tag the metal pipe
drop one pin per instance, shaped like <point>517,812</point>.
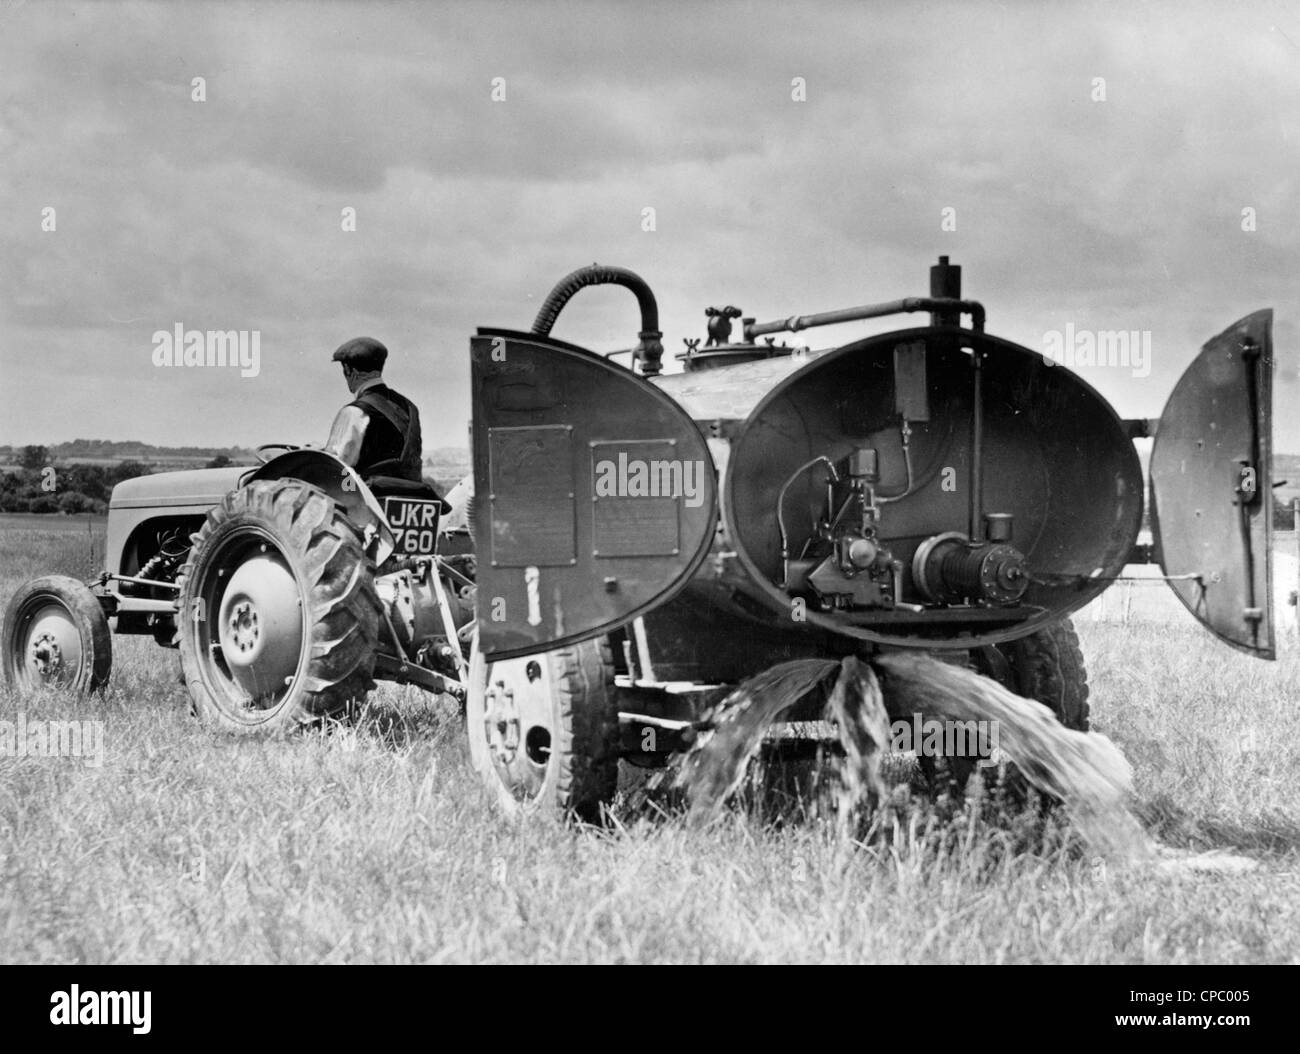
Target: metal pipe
<point>780,504</point>
<point>390,669</point>
<point>449,626</point>
<point>649,351</point>
<point>976,531</point>
<point>905,434</point>
<point>1253,614</point>
<point>945,283</point>
<point>109,576</point>
<point>795,323</point>
<point>672,724</point>
<point>141,606</point>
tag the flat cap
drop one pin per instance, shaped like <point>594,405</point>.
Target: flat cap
<point>362,353</point>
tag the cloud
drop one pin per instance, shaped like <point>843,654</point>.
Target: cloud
<point>1123,213</point>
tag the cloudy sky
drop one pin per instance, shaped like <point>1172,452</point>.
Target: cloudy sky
<point>1123,212</point>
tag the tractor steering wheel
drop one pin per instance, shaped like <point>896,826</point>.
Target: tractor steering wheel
<point>263,458</point>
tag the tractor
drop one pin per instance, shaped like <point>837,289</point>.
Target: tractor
<point>287,589</point>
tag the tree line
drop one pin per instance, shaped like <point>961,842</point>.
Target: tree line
<point>40,485</point>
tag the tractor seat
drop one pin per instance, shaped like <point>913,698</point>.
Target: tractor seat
<point>397,487</point>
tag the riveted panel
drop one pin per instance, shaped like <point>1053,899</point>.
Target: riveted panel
<point>531,497</point>
<point>638,488</point>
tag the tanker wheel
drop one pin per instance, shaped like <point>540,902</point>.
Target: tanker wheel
<point>55,632</point>
<point>279,618</point>
<point>543,729</point>
<point>1046,666</point>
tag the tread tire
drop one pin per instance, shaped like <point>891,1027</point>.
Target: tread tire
<point>85,612</point>
<point>1048,666</point>
<point>326,554</point>
<point>581,774</point>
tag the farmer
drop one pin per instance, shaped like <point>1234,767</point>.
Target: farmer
<point>378,433</point>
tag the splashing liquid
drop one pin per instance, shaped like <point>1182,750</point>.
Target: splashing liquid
<point>1086,771</point>
<point>714,767</point>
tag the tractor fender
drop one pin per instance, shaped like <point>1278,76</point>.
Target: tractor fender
<point>340,481</point>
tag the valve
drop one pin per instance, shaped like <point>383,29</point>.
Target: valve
<point>719,325</point>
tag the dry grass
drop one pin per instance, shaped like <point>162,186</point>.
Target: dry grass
<point>374,842</point>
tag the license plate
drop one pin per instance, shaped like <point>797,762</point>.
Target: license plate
<point>414,524</point>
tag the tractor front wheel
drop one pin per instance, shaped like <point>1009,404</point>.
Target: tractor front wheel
<point>543,729</point>
<point>279,618</point>
<point>55,632</point>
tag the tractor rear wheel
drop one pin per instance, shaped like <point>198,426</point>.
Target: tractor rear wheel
<point>279,618</point>
<point>543,729</point>
<point>55,632</point>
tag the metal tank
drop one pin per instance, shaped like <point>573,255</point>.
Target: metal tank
<point>933,487</point>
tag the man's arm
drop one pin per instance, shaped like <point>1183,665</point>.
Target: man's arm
<point>346,434</point>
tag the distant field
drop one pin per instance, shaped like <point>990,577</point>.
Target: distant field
<point>33,544</point>
<point>375,843</point>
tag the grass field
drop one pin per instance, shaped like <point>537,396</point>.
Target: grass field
<point>375,843</point>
